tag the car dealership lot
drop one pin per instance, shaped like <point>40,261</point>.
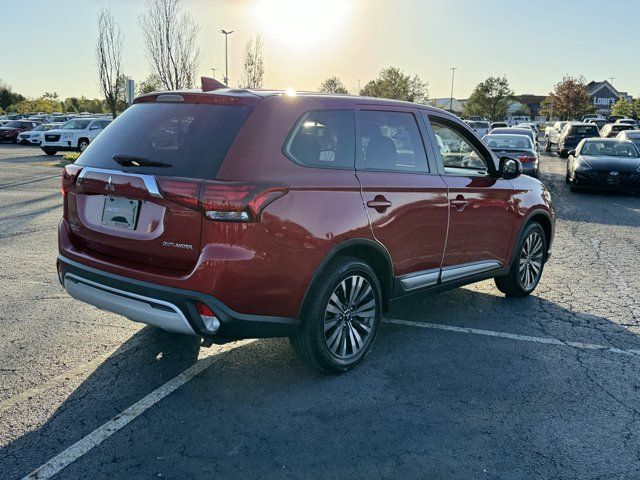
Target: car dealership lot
<point>466,384</point>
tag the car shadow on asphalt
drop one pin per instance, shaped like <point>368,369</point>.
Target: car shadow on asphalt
<point>262,368</point>
<point>143,363</point>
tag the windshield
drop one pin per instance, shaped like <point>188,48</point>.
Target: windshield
<point>515,142</point>
<point>609,149</point>
<point>75,125</point>
<point>177,139</point>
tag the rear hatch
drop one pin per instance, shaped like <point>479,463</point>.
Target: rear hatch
<point>133,195</point>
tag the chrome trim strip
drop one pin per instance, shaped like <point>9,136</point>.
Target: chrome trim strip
<point>135,307</point>
<point>456,272</point>
<point>426,278</point>
<point>150,182</point>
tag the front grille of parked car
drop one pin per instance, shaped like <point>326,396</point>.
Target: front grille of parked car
<point>52,138</point>
<point>622,178</point>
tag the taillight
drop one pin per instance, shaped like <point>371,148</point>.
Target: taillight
<point>69,176</point>
<point>237,202</point>
<point>184,192</point>
<point>526,159</point>
<point>222,201</point>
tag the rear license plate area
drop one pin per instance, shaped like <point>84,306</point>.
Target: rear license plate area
<point>120,212</point>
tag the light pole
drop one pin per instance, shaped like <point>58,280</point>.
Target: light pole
<point>453,76</point>
<point>213,70</point>
<point>226,55</point>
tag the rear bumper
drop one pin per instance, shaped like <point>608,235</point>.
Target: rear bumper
<point>164,307</point>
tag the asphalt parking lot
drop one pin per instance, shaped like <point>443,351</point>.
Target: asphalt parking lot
<point>466,384</point>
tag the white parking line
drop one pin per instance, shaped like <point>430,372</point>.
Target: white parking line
<point>100,434</point>
<point>512,336</point>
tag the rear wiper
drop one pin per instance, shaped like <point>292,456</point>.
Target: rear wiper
<point>133,161</point>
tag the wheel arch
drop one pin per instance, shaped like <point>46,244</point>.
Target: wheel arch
<point>366,250</point>
<point>542,217</point>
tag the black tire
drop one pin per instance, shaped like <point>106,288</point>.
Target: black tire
<point>312,342</point>
<point>567,179</point>
<point>563,153</point>
<point>547,148</point>
<point>573,187</point>
<point>82,144</point>
<point>49,151</point>
<point>512,284</point>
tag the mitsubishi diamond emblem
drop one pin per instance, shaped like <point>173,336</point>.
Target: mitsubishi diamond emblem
<point>109,186</point>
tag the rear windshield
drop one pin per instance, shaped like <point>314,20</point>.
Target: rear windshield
<point>622,126</point>
<point>508,141</point>
<point>584,130</point>
<point>183,140</point>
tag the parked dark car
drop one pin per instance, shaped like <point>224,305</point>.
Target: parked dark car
<point>518,147</point>
<point>611,130</point>
<point>9,133</point>
<point>573,133</point>
<point>607,164</point>
<point>230,214</point>
<point>598,122</point>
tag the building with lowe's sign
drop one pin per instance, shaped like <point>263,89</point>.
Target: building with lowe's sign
<point>604,96</point>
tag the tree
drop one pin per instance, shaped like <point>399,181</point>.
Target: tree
<point>333,85</point>
<point>149,84</point>
<point>570,98</point>
<point>109,58</point>
<point>8,97</point>
<point>490,99</point>
<point>253,63</point>
<point>170,43</point>
<point>394,84</point>
<point>42,104</point>
<point>623,107</point>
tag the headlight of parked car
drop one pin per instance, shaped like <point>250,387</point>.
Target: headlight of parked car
<point>583,165</point>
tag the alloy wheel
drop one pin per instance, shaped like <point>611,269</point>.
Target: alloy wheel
<point>531,258</point>
<point>349,317</point>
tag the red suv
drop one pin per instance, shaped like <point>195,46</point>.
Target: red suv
<point>229,214</point>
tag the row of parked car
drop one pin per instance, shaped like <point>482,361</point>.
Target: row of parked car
<point>65,133</point>
<point>567,135</point>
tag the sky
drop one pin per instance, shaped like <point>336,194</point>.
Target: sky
<point>50,45</point>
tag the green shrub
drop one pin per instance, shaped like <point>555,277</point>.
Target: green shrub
<point>71,156</point>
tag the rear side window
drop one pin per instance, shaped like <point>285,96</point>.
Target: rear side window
<point>391,141</point>
<point>182,139</point>
<point>323,139</point>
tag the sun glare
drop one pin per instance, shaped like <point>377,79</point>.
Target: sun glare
<point>301,23</point>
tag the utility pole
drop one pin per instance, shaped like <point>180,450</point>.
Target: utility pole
<point>226,55</point>
<point>453,76</point>
<point>611,79</point>
<point>213,70</point>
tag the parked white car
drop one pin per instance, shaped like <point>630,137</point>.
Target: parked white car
<point>552,134</point>
<point>73,135</point>
<point>34,136</point>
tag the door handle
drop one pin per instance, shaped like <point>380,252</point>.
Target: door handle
<point>459,203</point>
<point>379,203</point>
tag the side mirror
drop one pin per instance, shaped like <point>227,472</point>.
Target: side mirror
<point>572,153</point>
<point>510,168</point>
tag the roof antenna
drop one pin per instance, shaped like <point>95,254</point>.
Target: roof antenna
<point>209,84</point>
